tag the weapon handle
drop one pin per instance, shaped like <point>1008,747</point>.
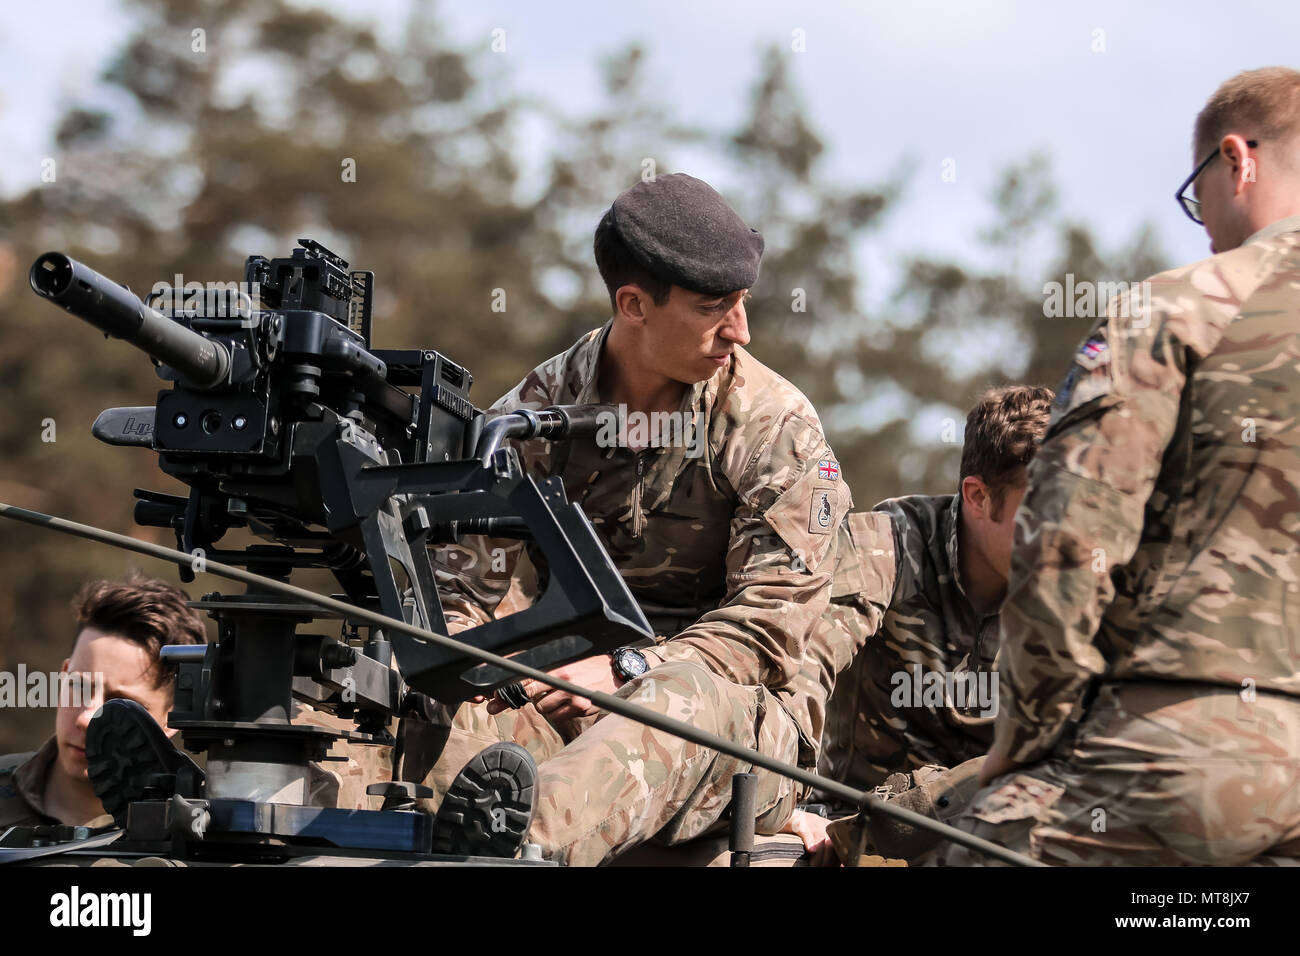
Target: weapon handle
<point>557,423</point>
<point>575,421</point>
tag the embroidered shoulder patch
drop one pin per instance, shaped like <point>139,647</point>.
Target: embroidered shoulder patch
<point>821,516</point>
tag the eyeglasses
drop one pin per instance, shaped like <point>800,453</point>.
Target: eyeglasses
<point>1190,204</point>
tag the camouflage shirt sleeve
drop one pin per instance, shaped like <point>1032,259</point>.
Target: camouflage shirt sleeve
<point>474,576</point>
<point>1082,516</point>
<point>866,574</point>
<point>780,558</point>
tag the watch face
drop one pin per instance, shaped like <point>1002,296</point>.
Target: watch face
<point>632,663</point>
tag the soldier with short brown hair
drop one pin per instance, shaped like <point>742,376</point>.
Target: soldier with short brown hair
<point>121,627</point>
<point>1156,575</point>
<point>895,709</point>
<point>912,630</point>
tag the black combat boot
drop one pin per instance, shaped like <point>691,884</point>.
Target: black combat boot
<point>127,754</point>
<point>489,806</point>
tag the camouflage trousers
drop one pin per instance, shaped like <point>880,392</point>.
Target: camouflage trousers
<point>1158,774</point>
<point>342,783</point>
<point>616,783</point>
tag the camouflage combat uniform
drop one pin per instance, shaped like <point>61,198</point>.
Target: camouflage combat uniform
<point>864,581</point>
<point>729,553</point>
<point>1156,575</point>
<point>342,782</point>
<point>22,789</point>
<point>860,590</point>
<point>888,714</point>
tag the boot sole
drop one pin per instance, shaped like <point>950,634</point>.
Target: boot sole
<point>124,747</point>
<point>489,806</point>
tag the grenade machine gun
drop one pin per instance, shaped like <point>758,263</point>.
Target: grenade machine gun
<point>284,421</point>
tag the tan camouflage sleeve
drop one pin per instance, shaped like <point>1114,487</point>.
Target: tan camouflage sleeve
<point>474,576</point>
<point>780,558</point>
<point>1082,517</point>
<point>866,571</point>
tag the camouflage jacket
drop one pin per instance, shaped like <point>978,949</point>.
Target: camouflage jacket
<point>860,592</point>
<point>726,539</point>
<point>22,789</point>
<point>1158,537</point>
<point>924,690</point>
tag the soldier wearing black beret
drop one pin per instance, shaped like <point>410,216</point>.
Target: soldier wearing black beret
<point>679,229</point>
<point>721,519</point>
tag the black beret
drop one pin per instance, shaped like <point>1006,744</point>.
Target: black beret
<point>680,229</point>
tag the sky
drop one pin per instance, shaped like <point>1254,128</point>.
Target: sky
<point>1108,89</point>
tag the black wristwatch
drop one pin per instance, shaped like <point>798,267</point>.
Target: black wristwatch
<point>628,663</point>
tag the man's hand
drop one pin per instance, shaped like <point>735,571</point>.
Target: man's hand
<point>811,828</point>
<point>557,706</point>
<point>995,765</point>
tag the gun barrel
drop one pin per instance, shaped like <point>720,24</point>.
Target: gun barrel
<point>115,311</point>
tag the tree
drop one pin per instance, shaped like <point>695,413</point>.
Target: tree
<point>391,156</point>
<point>893,388</point>
<point>248,125</point>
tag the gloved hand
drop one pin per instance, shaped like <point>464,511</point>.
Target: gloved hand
<point>930,791</point>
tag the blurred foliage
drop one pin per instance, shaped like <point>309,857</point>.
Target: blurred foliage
<point>239,149</point>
